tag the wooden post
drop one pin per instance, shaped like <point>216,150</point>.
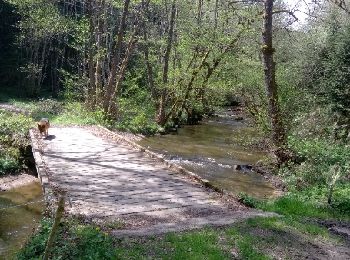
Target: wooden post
<point>58,216</point>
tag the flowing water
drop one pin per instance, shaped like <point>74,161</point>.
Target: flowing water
<point>212,150</point>
<point>20,213</point>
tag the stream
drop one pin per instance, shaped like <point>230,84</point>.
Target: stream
<point>20,214</point>
<point>212,150</point>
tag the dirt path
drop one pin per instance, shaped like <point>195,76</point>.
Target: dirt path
<point>13,108</point>
<point>110,180</point>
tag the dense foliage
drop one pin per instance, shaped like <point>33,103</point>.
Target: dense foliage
<point>13,141</point>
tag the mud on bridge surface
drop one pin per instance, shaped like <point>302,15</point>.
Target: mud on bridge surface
<point>106,179</point>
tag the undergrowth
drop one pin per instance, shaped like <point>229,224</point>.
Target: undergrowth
<point>137,116</point>
<point>133,116</point>
<point>13,141</point>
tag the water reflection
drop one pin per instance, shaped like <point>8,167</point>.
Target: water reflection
<point>17,223</point>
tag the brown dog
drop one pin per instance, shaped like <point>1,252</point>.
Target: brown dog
<point>43,126</point>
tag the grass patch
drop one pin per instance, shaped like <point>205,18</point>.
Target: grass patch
<point>72,113</point>
<point>257,238</point>
<point>76,114</point>
<point>245,244</point>
<point>301,205</point>
<point>134,117</point>
<point>73,242</point>
<point>310,203</point>
<point>292,206</point>
<point>289,224</point>
<point>202,244</point>
<point>197,245</point>
<point>249,201</point>
<point>36,244</point>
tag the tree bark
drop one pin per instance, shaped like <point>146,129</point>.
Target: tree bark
<point>161,119</point>
<point>342,5</point>
<point>216,63</point>
<point>146,53</point>
<point>99,59</point>
<point>91,90</point>
<point>112,108</point>
<point>116,57</point>
<point>277,128</point>
<point>216,14</point>
<point>190,83</point>
<point>199,12</point>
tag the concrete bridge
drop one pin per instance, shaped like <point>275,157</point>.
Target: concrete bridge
<point>111,179</point>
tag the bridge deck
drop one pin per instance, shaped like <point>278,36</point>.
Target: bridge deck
<point>105,178</point>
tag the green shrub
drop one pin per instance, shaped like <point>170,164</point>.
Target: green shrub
<point>47,108</point>
<point>74,113</point>
<point>74,86</point>
<point>9,160</point>
<point>320,157</point>
<point>14,128</point>
<point>36,244</point>
<point>80,242</point>
<point>137,116</point>
<point>248,200</point>
<point>88,243</point>
<point>13,140</point>
<point>139,124</point>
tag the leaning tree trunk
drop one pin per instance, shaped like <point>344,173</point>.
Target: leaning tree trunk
<point>146,51</point>
<point>277,128</point>
<point>161,117</point>
<point>90,99</point>
<point>99,60</point>
<point>113,108</point>
<point>116,58</point>
<point>216,15</point>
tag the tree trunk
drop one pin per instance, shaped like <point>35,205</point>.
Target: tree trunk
<point>91,89</point>
<point>161,118</point>
<point>116,57</point>
<point>277,128</point>
<point>190,83</point>
<point>200,12</point>
<point>112,108</point>
<point>146,53</point>
<point>342,5</point>
<point>216,63</point>
<point>99,61</point>
<point>216,14</point>
<point>54,70</point>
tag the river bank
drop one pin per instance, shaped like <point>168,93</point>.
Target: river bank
<point>9,182</point>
